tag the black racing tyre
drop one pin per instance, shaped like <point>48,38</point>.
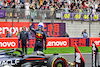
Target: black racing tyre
<point>57,61</point>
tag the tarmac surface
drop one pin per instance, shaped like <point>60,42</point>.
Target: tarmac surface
<point>86,56</point>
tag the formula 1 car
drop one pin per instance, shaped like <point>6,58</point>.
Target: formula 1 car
<point>8,58</point>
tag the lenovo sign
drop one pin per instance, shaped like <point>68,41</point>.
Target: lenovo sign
<point>4,29</point>
<point>96,41</point>
<point>57,42</point>
<point>7,26</point>
<point>9,43</point>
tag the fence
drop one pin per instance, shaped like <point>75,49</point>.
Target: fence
<point>28,14</point>
<point>74,22</point>
<point>46,14</point>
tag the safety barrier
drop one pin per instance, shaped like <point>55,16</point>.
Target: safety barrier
<point>51,42</point>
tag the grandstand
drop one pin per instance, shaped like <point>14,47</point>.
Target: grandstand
<point>54,12</point>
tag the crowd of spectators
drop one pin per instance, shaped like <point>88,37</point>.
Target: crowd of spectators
<point>78,6</point>
<point>67,5</point>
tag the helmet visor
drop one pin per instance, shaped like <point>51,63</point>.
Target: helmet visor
<point>40,26</point>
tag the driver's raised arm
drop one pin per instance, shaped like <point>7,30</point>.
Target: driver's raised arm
<point>32,29</point>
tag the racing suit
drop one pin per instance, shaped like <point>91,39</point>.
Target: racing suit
<point>40,36</point>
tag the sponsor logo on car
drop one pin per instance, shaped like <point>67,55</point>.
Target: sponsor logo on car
<point>9,62</point>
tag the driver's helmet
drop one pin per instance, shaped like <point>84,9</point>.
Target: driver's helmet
<point>40,26</point>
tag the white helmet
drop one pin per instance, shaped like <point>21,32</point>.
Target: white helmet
<point>41,25</point>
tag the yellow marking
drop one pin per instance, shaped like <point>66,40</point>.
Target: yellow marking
<point>53,62</point>
<point>57,58</point>
<point>39,34</point>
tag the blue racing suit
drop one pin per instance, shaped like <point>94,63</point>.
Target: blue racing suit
<point>40,36</point>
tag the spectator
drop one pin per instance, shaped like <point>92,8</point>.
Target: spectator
<point>80,10</point>
<point>57,7</point>
<point>13,5</point>
<point>5,4</point>
<point>32,7</point>
<point>83,3</point>
<point>66,9</point>
<point>85,34</point>
<point>68,2</point>
<point>79,3</point>
<point>48,2</point>
<point>96,5</point>
<point>41,2</point>
<point>48,34</point>
<point>86,4</point>
<point>8,35</point>
<point>51,12</point>
<point>47,8</point>
<point>18,34</point>
<point>67,5</point>
<point>22,6</point>
<point>22,1</point>
<point>61,4</point>
<point>37,3</point>
<point>74,9</point>
<point>98,10</point>
<point>43,12</point>
<point>91,4</point>
<point>18,9</point>
<point>8,5</point>
<point>65,35</point>
<point>27,10</point>
<point>17,1</point>
<point>45,2</point>
<point>99,34</point>
<point>94,11</point>
<point>1,3</point>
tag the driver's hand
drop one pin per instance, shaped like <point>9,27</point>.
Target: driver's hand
<point>30,23</point>
<point>27,42</point>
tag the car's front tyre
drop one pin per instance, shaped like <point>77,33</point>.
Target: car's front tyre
<point>57,61</point>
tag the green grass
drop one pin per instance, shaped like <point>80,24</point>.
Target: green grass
<point>61,50</point>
